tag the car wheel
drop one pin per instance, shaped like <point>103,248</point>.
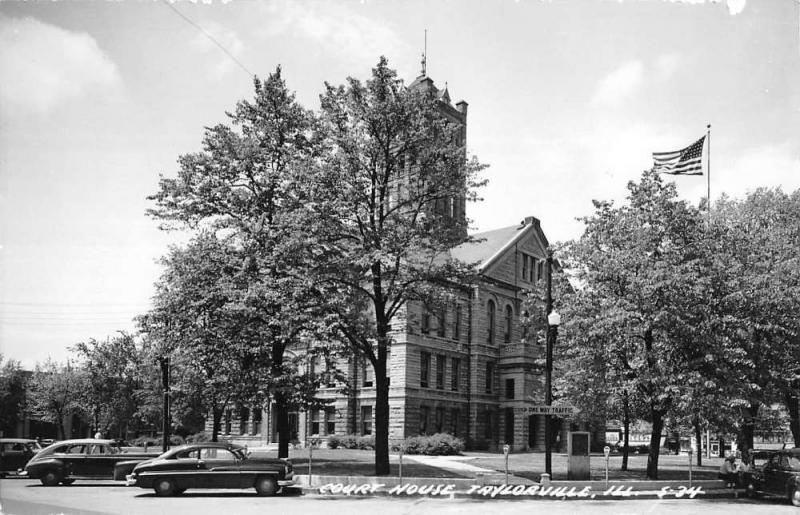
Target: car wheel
<point>266,486</point>
<point>67,481</point>
<point>51,478</point>
<point>164,487</point>
<point>794,496</point>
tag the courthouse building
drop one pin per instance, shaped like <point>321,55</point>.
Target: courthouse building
<point>467,369</point>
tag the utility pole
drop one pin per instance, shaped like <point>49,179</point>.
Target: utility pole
<point>164,362</point>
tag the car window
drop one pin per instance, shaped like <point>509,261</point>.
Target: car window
<point>784,462</point>
<point>74,449</point>
<point>7,446</point>
<point>18,447</point>
<point>191,454</point>
<point>97,449</point>
<point>794,463</point>
<point>213,453</point>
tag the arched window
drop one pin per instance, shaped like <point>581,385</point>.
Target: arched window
<point>509,323</point>
<point>490,317</point>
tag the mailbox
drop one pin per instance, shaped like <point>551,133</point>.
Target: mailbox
<point>578,452</point>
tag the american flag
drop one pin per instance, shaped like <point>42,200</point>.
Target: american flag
<point>688,161</point>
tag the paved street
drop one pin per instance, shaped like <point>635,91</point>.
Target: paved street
<point>28,497</point>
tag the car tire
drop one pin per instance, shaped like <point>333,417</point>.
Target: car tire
<point>794,496</point>
<point>164,487</point>
<point>51,478</point>
<point>266,485</point>
<point>67,482</point>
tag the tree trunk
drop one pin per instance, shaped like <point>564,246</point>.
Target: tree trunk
<point>626,424</point>
<point>749,426</point>
<point>721,447</point>
<point>698,437</point>
<point>282,421</point>
<point>655,444</point>
<point>790,399</point>
<point>215,424</point>
<point>381,409</point>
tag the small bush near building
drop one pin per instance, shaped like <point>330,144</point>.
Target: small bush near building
<point>439,444</point>
<point>351,442</point>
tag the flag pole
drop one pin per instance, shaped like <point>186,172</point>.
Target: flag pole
<point>708,167</point>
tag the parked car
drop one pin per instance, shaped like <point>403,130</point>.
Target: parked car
<point>89,458</point>
<point>780,475</point>
<point>211,465</point>
<point>15,453</point>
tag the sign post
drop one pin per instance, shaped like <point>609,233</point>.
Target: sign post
<point>690,467</point>
<point>607,452</point>
<point>401,464</point>
<point>506,448</point>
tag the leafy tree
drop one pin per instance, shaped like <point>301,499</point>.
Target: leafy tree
<point>755,242</point>
<point>196,321</point>
<point>246,183</point>
<point>392,162</point>
<point>644,260</point>
<point>13,383</point>
<point>55,393</point>
<point>112,372</point>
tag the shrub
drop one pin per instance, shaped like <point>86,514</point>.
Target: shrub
<point>200,437</point>
<point>439,444</point>
<point>351,442</point>
<point>334,442</point>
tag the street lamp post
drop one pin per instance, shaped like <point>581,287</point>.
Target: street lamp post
<point>553,321</point>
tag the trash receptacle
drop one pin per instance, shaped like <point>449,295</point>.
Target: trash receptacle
<point>578,452</point>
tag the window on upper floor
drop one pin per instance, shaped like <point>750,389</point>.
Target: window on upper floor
<point>440,364</point>
<point>426,320</point>
<point>509,324</point>
<point>457,323</point>
<point>489,376</point>
<point>490,314</point>
<point>540,270</point>
<point>455,373</point>
<point>509,388</point>
<point>441,323</point>
<point>424,368</point>
<point>368,374</point>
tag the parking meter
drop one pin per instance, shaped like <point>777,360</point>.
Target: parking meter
<point>607,452</point>
<point>506,449</point>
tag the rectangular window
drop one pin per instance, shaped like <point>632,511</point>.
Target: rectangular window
<point>489,376</point>
<point>330,420</point>
<point>315,422</point>
<point>509,388</point>
<point>424,368</point>
<point>534,268</point>
<point>368,374</point>
<point>441,321</point>
<point>488,430</point>
<point>540,271</point>
<point>366,420</point>
<point>426,321</point>
<point>424,414</point>
<point>244,417</point>
<point>524,267</point>
<point>228,422</point>
<point>457,324</point>
<point>439,420</point>
<point>455,373</point>
<point>440,360</point>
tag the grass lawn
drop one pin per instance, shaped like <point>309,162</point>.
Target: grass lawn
<point>531,466</point>
<point>351,462</point>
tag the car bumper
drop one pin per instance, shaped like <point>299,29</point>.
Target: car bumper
<point>130,480</point>
<point>22,473</point>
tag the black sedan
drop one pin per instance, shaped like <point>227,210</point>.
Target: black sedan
<point>89,458</point>
<point>15,453</point>
<point>211,465</point>
<point>779,476</point>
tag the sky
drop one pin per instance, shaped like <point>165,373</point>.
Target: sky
<point>567,101</point>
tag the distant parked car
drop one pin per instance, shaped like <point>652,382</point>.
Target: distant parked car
<point>89,458</point>
<point>211,465</point>
<point>15,453</point>
<point>780,475</point>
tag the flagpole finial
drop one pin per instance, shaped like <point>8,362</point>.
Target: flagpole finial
<point>708,126</point>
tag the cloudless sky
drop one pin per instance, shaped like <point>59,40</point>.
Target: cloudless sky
<point>567,100</point>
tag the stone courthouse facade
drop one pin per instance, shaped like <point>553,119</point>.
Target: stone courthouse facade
<point>467,369</point>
